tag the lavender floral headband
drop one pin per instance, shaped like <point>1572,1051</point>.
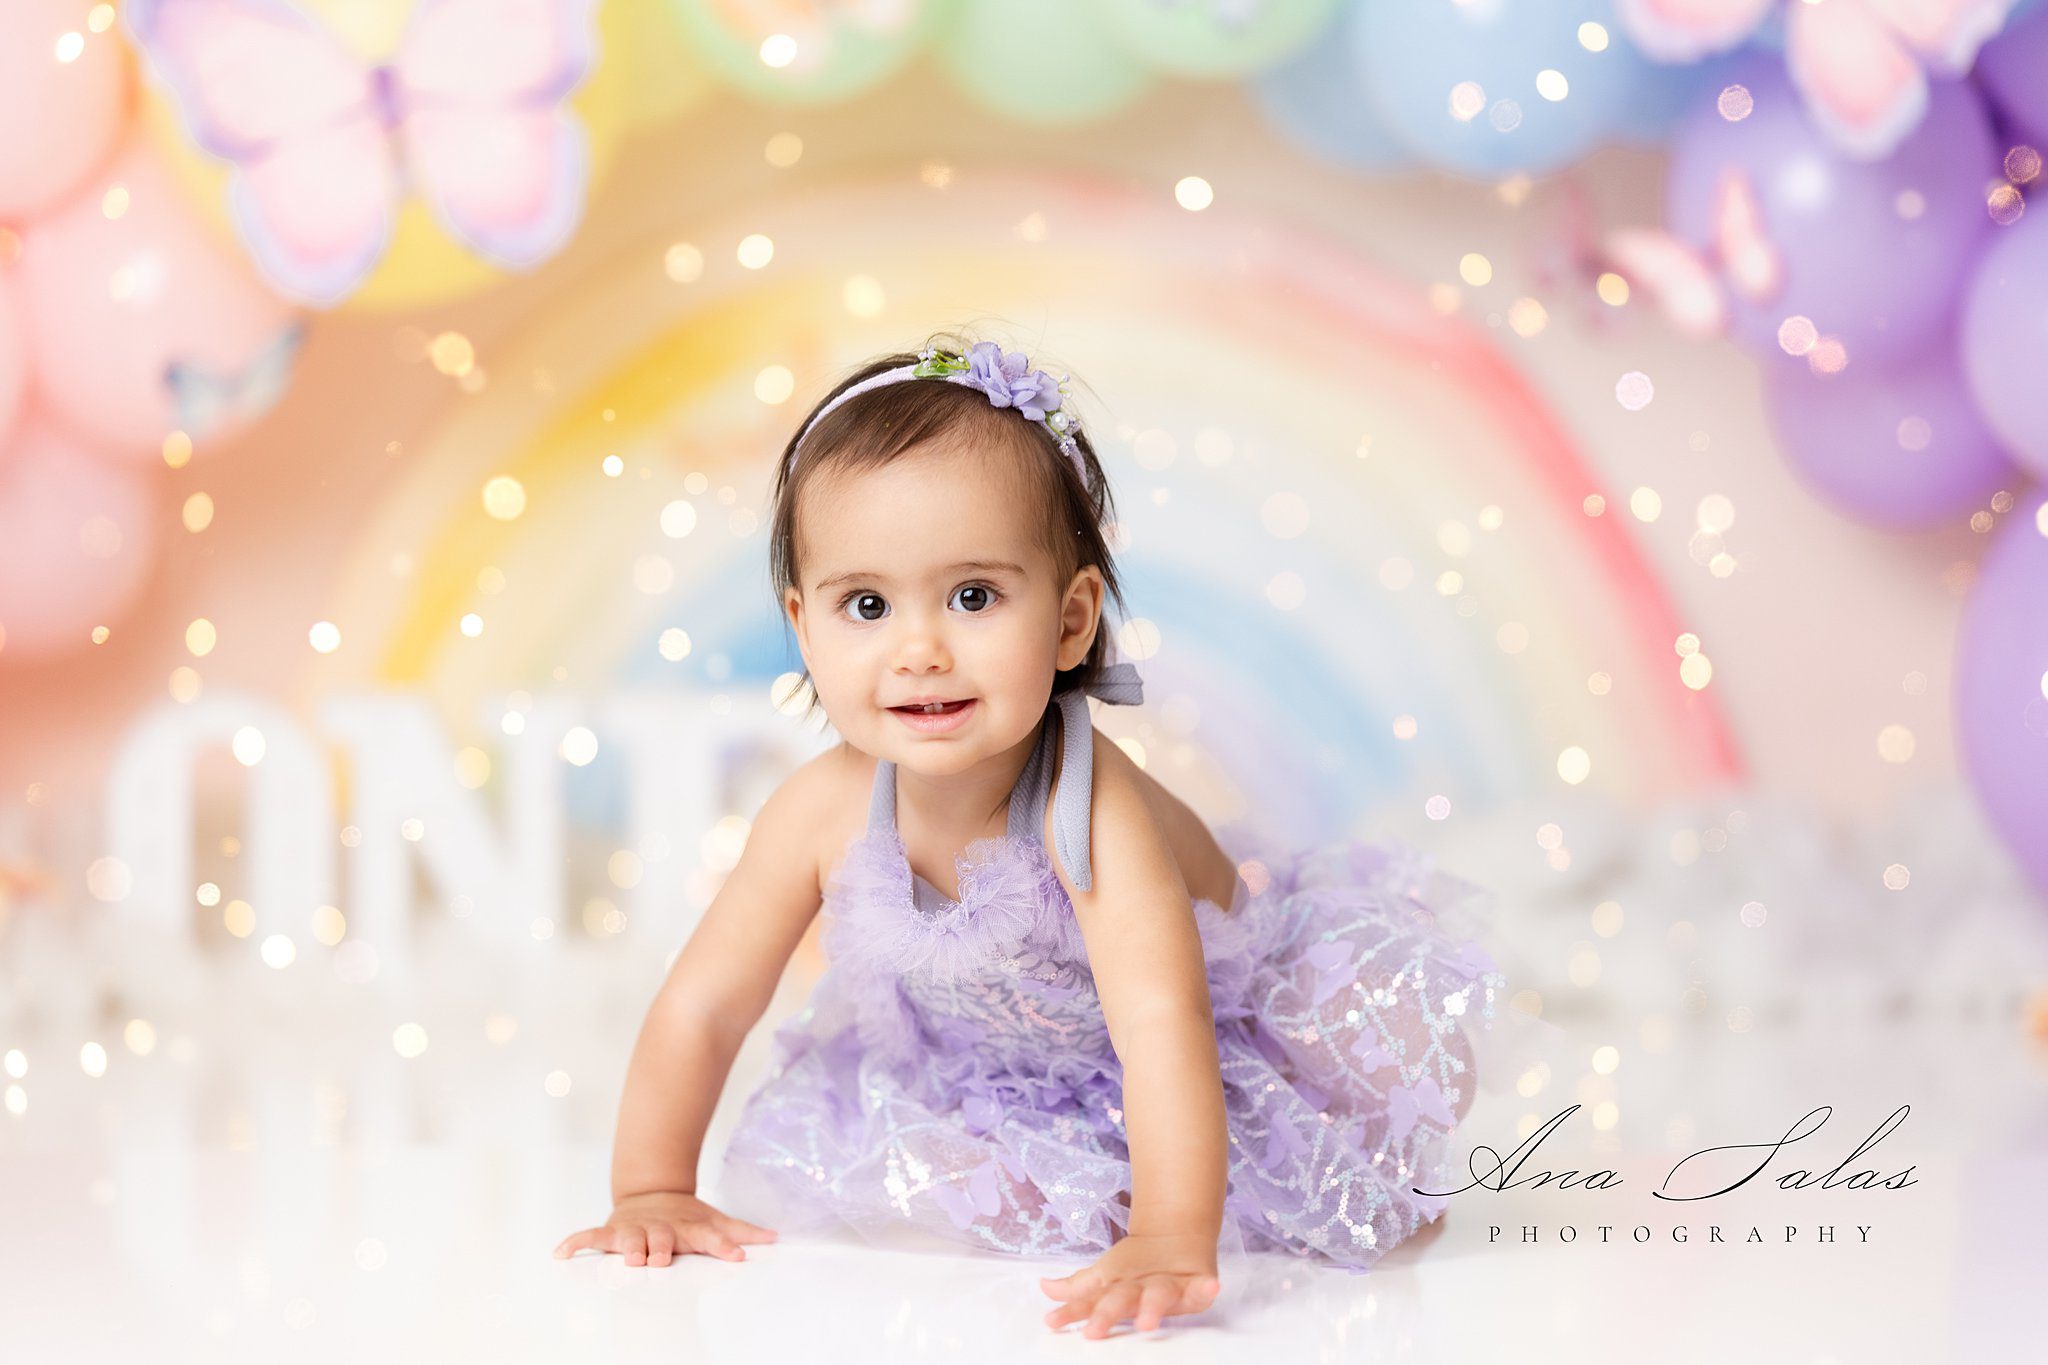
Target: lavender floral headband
<point>1000,374</point>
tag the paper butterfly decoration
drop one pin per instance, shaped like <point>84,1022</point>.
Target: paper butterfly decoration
<point>208,401</point>
<point>1862,64</point>
<point>1692,286</point>
<point>469,112</point>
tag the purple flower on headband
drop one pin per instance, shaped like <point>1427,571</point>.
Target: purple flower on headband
<point>1001,376</point>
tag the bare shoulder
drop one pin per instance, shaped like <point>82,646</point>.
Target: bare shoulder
<point>1129,802</point>
<point>809,818</point>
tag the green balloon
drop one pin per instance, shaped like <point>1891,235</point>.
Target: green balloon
<point>855,56</point>
<point>1047,62</point>
<point>1215,39</point>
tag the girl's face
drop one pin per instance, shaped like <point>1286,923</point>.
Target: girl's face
<point>924,580</point>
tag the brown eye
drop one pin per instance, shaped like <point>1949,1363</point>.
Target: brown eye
<point>866,606</point>
<point>975,597</point>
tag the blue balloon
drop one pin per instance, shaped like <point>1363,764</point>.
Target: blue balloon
<point>1319,100</point>
<point>1493,86</point>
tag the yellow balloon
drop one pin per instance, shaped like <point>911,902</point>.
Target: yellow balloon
<point>423,264</point>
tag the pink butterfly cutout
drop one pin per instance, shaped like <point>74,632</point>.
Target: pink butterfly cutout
<point>1862,64</point>
<point>1692,286</point>
<point>469,111</point>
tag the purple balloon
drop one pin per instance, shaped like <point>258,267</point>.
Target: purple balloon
<point>2014,68</point>
<point>2001,659</point>
<point>1874,251</point>
<point>2005,339</point>
<point>1896,444</point>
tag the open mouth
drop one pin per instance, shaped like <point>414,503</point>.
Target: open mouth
<point>935,708</point>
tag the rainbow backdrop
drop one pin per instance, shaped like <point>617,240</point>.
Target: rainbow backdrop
<point>1225,362</point>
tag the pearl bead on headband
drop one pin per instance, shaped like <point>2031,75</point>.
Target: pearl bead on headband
<point>1000,374</point>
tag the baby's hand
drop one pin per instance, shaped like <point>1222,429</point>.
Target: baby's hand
<point>648,1229</point>
<point>1146,1277</point>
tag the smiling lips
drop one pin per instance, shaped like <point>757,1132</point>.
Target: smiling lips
<point>935,716</point>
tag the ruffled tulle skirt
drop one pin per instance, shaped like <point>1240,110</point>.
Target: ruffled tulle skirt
<point>1342,983</point>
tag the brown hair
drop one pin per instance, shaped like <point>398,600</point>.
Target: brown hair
<point>873,428</point>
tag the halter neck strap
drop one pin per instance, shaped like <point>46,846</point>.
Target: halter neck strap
<point>1071,803</point>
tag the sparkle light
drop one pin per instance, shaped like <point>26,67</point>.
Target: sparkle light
<point>472,625</point>
<point>1897,877</point>
<point>1634,391</point>
<point>1895,744</point>
<point>1714,514</point>
<point>1735,103</point>
<point>70,46</point>
<point>678,519</point>
<point>1645,504</point>
<point>140,1036</point>
<point>410,1040</point>
<point>863,296</point>
<point>1914,433</point>
<point>755,251</point>
<point>1605,1060</point>
<point>177,450</point>
<point>1612,289</point>
<point>1527,317</point>
<point>1506,116</point>
<point>200,637</point>
<point>278,951</point>
<point>613,466</point>
<point>674,644</point>
<point>1474,269</point>
<point>774,385</point>
<point>1592,37</point>
<point>1193,193</point>
<point>2022,164</point>
<point>1552,85</point>
<point>452,354</point>
<point>1696,671</point>
<point>777,51</point>
<point>249,746</point>
<point>1574,765</point>
<point>92,1060</point>
<point>557,1083</point>
<point>325,637</point>
<point>2004,202</point>
<point>683,263</point>
<point>579,746</point>
<point>114,202</point>
<point>1797,334</point>
<point>504,497</point>
<point>1467,99</point>
<point>783,150</point>
<point>1437,807</point>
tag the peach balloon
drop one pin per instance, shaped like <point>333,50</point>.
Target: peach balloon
<point>66,83</point>
<point>77,536</point>
<point>132,302</point>
<point>13,355</point>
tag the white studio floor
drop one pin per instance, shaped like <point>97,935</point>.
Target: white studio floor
<point>123,1239</point>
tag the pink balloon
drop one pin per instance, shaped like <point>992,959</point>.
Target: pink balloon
<point>63,115</point>
<point>13,356</point>
<point>146,322</point>
<point>77,536</point>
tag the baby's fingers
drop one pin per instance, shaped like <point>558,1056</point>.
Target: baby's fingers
<point>1072,1311</point>
<point>1087,1282</point>
<point>709,1240</point>
<point>1116,1304</point>
<point>742,1231</point>
<point>1160,1297</point>
<point>589,1237</point>
<point>661,1244</point>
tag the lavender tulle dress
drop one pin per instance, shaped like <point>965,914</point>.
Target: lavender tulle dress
<point>951,1069</point>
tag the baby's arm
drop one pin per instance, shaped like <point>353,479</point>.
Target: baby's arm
<point>717,989</point>
<point>1146,954</point>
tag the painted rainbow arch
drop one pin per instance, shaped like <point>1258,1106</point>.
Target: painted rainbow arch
<point>1288,432</point>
